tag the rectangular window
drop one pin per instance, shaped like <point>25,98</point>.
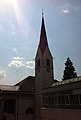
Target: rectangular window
<point>51,100</point>
<point>55,99</point>
<point>71,99</point>
<point>63,99</point>
<point>76,99</point>
<point>67,101</point>
<point>45,100</point>
<point>59,100</point>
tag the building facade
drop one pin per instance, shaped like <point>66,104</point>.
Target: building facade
<point>18,102</point>
<point>62,101</point>
<point>42,97</point>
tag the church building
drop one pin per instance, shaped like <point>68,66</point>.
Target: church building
<point>41,97</point>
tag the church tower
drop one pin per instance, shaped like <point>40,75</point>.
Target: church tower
<point>43,68</point>
<point>43,60</point>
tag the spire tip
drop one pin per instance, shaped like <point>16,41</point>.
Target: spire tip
<point>42,13</point>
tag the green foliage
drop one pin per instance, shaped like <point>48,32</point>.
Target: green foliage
<point>69,71</point>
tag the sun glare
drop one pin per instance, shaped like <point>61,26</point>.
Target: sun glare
<point>20,17</point>
<point>18,12</point>
<point>13,4</point>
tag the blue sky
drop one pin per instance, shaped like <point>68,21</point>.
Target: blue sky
<point>20,24</point>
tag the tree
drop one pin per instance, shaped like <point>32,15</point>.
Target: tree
<point>69,71</point>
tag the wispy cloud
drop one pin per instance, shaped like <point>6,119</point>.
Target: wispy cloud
<point>68,8</point>
<point>15,50</point>
<point>3,74</point>
<point>19,62</point>
<point>18,58</point>
<point>30,64</point>
<point>65,11</point>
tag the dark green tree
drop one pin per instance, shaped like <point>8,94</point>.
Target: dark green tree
<point>69,71</point>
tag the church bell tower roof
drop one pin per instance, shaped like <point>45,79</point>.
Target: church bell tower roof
<point>43,37</point>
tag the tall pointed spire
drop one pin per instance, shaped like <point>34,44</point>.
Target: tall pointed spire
<point>43,38</point>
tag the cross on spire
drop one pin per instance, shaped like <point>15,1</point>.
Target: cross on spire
<point>42,12</point>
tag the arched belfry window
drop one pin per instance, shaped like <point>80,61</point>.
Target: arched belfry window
<point>38,62</point>
<point>38,65</point>
<point>48,62</point>
<point>48,65</point>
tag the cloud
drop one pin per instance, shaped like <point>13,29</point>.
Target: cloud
<point>18,62</point>
<point>30,64</point>
<point>66,8</point>
<point>3,74</point>
<point>65,11</point>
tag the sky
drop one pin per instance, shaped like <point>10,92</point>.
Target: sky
<point>20,25</point>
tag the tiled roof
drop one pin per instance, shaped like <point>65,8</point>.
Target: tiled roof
<point>77,79</point>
